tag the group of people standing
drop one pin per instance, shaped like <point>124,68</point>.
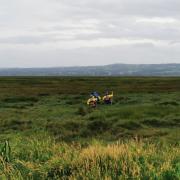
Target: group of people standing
<point>95,99</point>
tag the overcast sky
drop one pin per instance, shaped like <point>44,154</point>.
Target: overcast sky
<point>44,33</point>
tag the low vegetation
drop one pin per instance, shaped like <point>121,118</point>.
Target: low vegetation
<point>48,132</point>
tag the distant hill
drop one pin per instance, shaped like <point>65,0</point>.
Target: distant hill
<point>107,70</point>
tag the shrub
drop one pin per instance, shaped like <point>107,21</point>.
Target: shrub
<point>131,125</point>
<point>159,123</point>
<point>82,111</point>
<point>98,125</point>
<point>20,99</point>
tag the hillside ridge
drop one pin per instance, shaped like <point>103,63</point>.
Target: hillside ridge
<point>172,69</point>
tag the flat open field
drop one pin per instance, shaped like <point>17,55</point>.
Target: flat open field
<point>52,134</point>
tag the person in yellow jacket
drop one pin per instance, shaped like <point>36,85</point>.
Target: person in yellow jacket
<point>96,95</point>
<point>92,101</point>
<point>108,98</point>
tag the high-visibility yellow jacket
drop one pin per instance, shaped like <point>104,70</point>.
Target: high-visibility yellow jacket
<point>99,98</point>
<point>91,100</point>
<point>108,97</point>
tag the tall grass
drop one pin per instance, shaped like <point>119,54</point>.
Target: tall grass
<point>43,158</point>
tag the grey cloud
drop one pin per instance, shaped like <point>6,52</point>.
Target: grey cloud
<point>23,40</point>
<point>35,23</point>
<point>143,45</point>
<point>128,7</point>
<point>87,56</point>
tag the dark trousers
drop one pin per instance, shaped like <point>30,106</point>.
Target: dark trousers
<point>108,101</point>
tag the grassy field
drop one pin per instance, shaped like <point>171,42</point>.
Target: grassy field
<point>50,133</point>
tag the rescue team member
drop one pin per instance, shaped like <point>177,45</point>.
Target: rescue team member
<point>108,98</point>
<point>92,101</point>
<point>96,95</point>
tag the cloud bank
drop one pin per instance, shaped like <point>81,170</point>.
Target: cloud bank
<point>40,33</point>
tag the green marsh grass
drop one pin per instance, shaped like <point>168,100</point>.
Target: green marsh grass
<point>54,135</point>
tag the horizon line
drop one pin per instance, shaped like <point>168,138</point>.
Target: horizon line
<point>74,66</point>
